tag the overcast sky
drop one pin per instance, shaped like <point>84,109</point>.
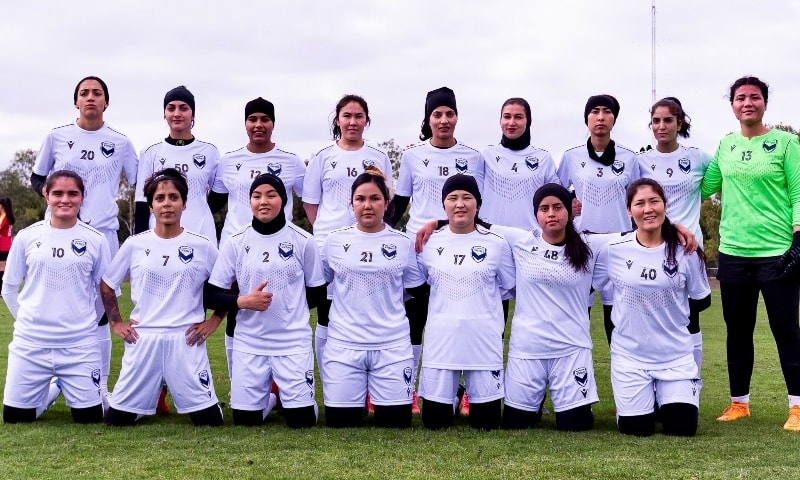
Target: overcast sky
<point>303,55</point>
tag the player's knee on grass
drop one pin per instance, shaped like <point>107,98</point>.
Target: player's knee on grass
<point>486,415</point>
<point>516,419</point>
<point>207,417</point>
<point>343,417</point>
<point>88,415</point>
<point>303,417</point>
<point>393,416</point>
<point>638,425</point>
<point>118,418</point>
<point>576,419</point>
<point>18,415</point>
<point>436,415</point>
<point>679,419</point>
<point>247,418</point>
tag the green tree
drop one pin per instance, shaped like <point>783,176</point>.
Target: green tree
<point>29,206</point>
<point>127,207</point>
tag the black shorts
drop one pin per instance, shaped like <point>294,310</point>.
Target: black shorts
<point>3,256</point>
<point>745,270</point>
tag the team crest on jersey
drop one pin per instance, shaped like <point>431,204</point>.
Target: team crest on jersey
<point>478,253</point>
<point>96,377</point>
<point>70,143</point>
<point>162,160</point>
<point>333,164</point>
<point>186,254</point>
<point>769,145</point>
<point>275,169</point>
<point>367,163</point>
<point>147,251</point>
<point>285,250</point>
<point>78,247</point>
<point>617,167</point>
<point>532,163</point>
<point>685,164</point>
<point>440,250</point>
<point>199,160</point>
<point>496,376</point>
<point>461,165</point>
<point>205,379</point>
<point>581,377</point>
<point>629,263</point>
<point>670,267</point>
<point>407,375</point>
<point>389,251</point>
<point>346,246</point>
<point>107,149</point>
<point>426,162</point>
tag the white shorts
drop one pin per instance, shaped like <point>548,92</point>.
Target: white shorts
<point>30,370</point>
<point>441,386</point>
<point>158,357</point>
<point>636,390</point>
<point>570,378</point>
<point>251,380</point>
<point>349,374</point>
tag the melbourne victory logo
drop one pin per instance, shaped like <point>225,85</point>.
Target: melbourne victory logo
<point>199,160</point>
<point>462,165</point>
<point>186,254</point>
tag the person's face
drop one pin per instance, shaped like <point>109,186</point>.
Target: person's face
<point>64,199</point>
<point>461,208</point>
<point>369,207</point>
<point>91,101</point>
<point>259,128</point>
<point>748,105</point>
<point>443,122</point>
<point>513,121</point>
<point>265,202</point>
<point>665,125</point>
<point>647,209</point>
<point>352,120</point>
<point>178,116</point>
<point>552,216</point>
<point>167,205</point>
<point>600,121</point>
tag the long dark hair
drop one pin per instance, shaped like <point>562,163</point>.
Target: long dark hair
<point>668,230</point>
<point>373,174</point>
<point>6,203</point>
<point>674,106</point>
<point>575,249</point>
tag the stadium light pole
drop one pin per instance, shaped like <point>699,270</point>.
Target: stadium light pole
<point>653,52</point>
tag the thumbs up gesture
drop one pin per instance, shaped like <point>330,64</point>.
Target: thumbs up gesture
<point>258,299</point>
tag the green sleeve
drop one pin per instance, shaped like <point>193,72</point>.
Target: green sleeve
<point>712,179</point>
<point>791,167</point>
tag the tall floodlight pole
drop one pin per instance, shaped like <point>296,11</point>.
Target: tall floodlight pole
<point>653,52</point>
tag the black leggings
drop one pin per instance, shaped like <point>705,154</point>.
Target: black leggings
<point>417,313</point>
<point>739,305</point>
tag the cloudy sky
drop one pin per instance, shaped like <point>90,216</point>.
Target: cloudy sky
<point>303,55</point>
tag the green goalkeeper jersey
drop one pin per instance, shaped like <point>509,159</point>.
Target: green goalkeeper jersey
<point>760,183</point>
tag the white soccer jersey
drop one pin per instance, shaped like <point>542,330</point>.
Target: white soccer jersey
<point>61,269</point>
<point>236,173</point>
<point>651,306</point>
<point>198,161</point>
<point>368,274</point>
<point>510,180</point>
<point>289,261</point>
<point>329,181</point>
<point>99,157</point>
<point>600,189</point>
<point>167,277</point>
<point>465,315</point>
<point>680,173</point>
<point>423,171</point>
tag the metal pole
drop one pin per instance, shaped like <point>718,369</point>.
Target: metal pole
<point>653,51</point>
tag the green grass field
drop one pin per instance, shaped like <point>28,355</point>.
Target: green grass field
<point>170,447</point>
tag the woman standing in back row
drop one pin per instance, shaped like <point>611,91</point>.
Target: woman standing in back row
<point>758,168</point>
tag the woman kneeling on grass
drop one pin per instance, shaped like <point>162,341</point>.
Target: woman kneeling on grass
<point>651,349</point>
<point>164,340</point>
<point>278,263</point>
<point>61,261</point>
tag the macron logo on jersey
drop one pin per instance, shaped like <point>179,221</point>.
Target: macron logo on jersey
<point>78,247</point>
<point>426,162</point>
<point>107,149</point>
<point>629,263</point>
<point>333,165</point>
<point>147,251</point>
<point>389,251</point>
<point>162,160</point>
<point>346,247</point>
<point>461,165</point>
<point>186,254</point>
<point>478,253</point>
<point>70,143</point>
<point>285,250</point>
<point>440,250</point>
<point>238,166</point>
<point>532,163</point>
<point>199,160</point>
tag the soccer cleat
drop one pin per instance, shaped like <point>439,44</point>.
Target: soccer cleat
<point>415,404</point>
<point>162,407</point>
<point>793,423</point>
<point>464,410</point>
<point>370,407</point>
<point>735,411</point>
